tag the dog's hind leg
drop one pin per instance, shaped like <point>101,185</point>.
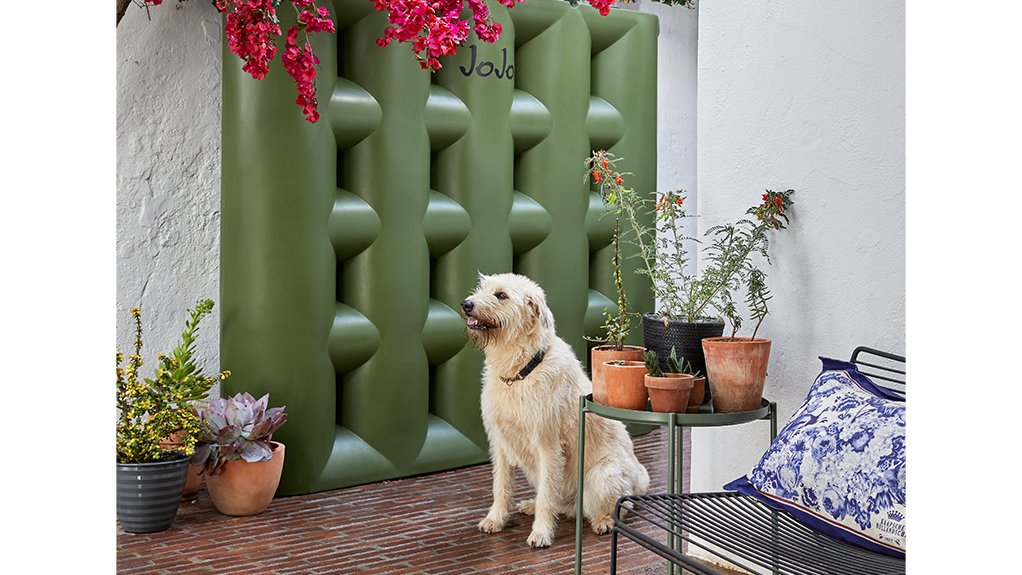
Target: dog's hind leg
<point>603,485</point>
<point>503,476</point>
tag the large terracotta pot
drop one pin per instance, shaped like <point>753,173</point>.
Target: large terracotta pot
<point>737,371</point>
<point>626,387</point>
<point>669,393</point>
<point>603,353</point>
<point>245,488</point>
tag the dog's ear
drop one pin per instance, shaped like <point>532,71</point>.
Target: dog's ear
<point>538,310</point>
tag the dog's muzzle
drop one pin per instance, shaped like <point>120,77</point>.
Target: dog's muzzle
<point>478,324</point>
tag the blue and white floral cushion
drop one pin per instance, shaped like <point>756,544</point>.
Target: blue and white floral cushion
<point>839,464</point>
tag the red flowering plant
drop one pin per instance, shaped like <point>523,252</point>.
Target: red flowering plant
<point>252,30</point>
<point>663,255</point>
<point>434,28</point>
<point>730,261</point>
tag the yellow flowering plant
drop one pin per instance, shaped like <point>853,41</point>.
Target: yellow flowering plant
<point>149,410</point>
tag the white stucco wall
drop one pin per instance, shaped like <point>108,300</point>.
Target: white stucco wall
<point>806,95</point>
<point>168,174</point>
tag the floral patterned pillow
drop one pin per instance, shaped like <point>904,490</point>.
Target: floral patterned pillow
<point>839,465</point>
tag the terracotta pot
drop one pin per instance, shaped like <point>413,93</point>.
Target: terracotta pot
<point>193,481</point>
<point>669,393</point>
<point>698,396</point>
<point>737,371</point>
<point>603,353</point>
<point>626,386</point>
<point>245,488</point>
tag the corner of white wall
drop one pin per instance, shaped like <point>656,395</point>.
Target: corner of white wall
<point>809,96</point>
<point>168,174</point>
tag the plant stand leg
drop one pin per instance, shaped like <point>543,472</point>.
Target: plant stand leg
<point>580,483</point>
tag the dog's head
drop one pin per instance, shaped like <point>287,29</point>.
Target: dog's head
<point>507,308</point>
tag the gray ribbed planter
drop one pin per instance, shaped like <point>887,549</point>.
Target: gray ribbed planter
<point>148,494</point>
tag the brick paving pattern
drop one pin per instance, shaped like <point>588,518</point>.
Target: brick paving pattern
<point>423,524</point>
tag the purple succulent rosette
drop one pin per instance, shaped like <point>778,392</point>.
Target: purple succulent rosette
<point>236,428</point>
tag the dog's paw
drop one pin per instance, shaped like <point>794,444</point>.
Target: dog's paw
<point>540,539</point>
<point>602,525</point>
<point>490,525</point>
<point>528,506</point>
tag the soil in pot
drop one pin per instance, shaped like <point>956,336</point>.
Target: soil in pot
<point>737,371</point>
<point>626,387</point>
<point>598,355</point>
<point>685,337</point>
<point>669,393</point>
<point>245,488</point>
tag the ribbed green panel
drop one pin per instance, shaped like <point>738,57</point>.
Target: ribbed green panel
<point>347,245</point>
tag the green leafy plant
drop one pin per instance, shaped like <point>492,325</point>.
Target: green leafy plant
<point>149,410</point>
<point>236,428</point>
<point>682,295</point>
<point>731,264</point>
<point>663,257</point>
<point>616,325</point>
<point>653,363</point>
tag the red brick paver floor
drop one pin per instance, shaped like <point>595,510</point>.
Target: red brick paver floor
<point>424,524</point>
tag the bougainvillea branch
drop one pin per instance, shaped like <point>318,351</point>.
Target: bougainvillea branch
<point>433,28</point>
<point>252,29</point>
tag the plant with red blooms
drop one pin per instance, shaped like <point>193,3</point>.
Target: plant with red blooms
<point>729,259</point>
<point>252,30</point>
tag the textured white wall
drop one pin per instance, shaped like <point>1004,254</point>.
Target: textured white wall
<point>168,174</point>
<point>806,95</point>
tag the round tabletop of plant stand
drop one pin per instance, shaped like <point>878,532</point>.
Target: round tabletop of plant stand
<point>706,417</point>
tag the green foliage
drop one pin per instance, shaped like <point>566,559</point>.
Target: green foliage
<point>652,363</point>
<point>150,410</point>
<point>729,255</point>
<point>731,264</point>
<point>672,362</point>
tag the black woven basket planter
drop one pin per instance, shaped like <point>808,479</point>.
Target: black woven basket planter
<point>148,494</point>
<point>685,337</point>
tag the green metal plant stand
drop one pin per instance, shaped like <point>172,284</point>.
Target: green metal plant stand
<point>675,422</point>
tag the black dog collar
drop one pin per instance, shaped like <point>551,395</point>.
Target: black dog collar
<point>535,361</point>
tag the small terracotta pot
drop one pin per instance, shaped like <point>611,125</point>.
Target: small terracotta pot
<point>603,353</point>
<point>698,396</point>
<point>626,387</point>
<point>245,488</point>
<point>669,393</point>
<point>193,481</point>
<point>737,371</point>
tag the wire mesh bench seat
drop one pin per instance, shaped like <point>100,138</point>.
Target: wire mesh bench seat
<point>757,538</point>
<point>745,532</point>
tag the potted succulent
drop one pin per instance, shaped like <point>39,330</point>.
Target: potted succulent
<point>737,366</point>
<point>626,386</point>
<point>668,391</point>
<point>616,327</point>
<point>150,473</point>
<point>241,463</point>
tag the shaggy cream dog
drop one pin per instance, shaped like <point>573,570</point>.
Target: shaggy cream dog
<point>531,386</point>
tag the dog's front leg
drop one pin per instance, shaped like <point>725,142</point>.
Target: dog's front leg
<point>503,475</point>
<point>551,465</point>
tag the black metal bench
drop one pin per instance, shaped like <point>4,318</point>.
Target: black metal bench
<point>744,532</point>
